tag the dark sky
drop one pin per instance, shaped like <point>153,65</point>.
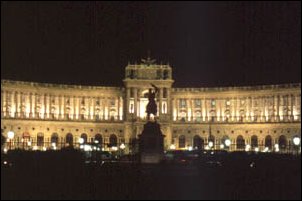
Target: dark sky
<point>207,43</point>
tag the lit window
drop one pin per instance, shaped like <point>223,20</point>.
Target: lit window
<point>131,107</point>
<point>228,102</point>
<point>197,103</point>
<point>213,103</point>
<point>182,103</point>
<point>112,102</point>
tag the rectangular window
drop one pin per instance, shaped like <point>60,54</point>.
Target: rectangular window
<point>182,103</point>
<point>213,103</point>
<point>197,102</point>
<point>131,106</point>
<point>112,102</point>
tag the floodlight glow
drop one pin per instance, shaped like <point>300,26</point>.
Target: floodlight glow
<point>227,142</point>
<point>211,144</point>
<point>172,146</point>
<point>297,141</point>
<point>122,146</point>
<point>81,140</point>
<point>87,147</point>
<point>247,147</point>
<point>114,148</point>
<point>10,135</point>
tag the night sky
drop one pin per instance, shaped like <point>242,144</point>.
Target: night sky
<point>207,43</point>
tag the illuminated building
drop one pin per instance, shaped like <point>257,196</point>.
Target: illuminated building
<point>54,115</point>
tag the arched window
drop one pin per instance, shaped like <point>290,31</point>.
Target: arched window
<point>240,144</point>
<point>98,139</point>
<point>254,141</point>
<point>40,139</point>
<point>69,139</point>
<point>268,142</point>
<point>182,141</point>
<point>282,142</point>
<point>84,137</point>
<point>198,142</point>
<point>112,141</point>
<point>54,138</point>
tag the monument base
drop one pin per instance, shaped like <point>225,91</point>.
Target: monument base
<point>151,158</point>
<point>151,143</point>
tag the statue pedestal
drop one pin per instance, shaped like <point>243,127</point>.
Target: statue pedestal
<point>151,143</point>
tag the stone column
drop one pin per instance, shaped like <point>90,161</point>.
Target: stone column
<point>192,109</point>
<point>35,105</point>
<point>27,104</point>
<point>138,102</point>
<point>118,108</point>
<point>203,114</point>
<point>220,109</point>
<point>74,107</point>
<point>177,109</point>
<point>237,108</point>
<point>160,100</point>
<point>18,109</point>
<point>206,110</point>
<point>248,109</point>
<point>13,106</point>
<point>94,106</point>
<point>49,105</point>
<point>104,102</point>
<point>2,105</point>
<point>127,104</point>
<point>187,109</point>
<point>135,101</point>
<point>43,103</point>
<point>291,107</point>
<point>278,107</point>
<point>169,108</point>
<point>174,110</point>
<point>59,106</point>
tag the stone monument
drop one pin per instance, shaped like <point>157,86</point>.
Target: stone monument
<point>151,141</point>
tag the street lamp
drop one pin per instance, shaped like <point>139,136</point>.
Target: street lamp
<point>247,147</point>
<point>122,147</point>
<point>10,136</point>
<point>172,147</point>
<point>211,144</point>
<point>227,142</point>
<point>81,140</point>
<point>296,141</point>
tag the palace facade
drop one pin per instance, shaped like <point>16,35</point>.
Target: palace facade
<point>52,116</point>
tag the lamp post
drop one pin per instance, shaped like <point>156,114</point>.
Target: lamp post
<point>122,147</point>
<point>10,136</point>
<point>297,142</point>
<point>227,143</point>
